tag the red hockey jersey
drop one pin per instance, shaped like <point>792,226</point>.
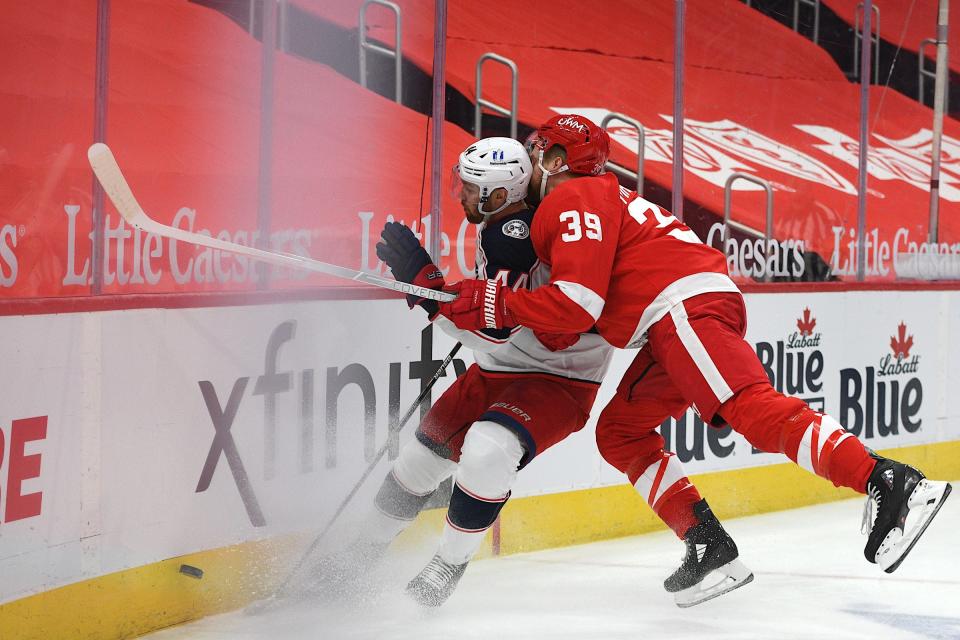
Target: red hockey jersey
<point>616,260</point>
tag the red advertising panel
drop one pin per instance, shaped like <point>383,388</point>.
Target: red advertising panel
<point>47,109</point>
<point>315,168</point>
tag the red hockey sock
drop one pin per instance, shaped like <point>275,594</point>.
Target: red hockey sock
<point>662,482</point>
<point>776,423</point>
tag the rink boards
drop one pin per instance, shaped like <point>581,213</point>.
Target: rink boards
<point>131,438</point>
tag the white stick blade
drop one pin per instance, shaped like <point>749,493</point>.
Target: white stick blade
<point>108,172</point>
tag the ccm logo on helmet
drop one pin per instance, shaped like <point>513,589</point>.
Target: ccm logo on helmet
<point>572,123</point>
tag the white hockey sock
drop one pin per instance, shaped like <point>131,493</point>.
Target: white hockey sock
<point>458,547</point>
<point>415,475</point>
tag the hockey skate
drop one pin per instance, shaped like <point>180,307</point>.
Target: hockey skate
<point>905,504</point>
<point>436,582</point>
<point>710,566</point>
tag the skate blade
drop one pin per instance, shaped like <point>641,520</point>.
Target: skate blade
<point>925,500</point>
<point>734,575</point>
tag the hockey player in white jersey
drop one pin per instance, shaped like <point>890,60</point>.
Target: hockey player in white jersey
<point>519,398</point>
<point>525,393</point>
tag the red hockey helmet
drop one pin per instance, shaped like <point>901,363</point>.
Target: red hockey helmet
<point>586,144</point>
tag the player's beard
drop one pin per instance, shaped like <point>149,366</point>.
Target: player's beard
<point>533,191</point>
<point>472,214</point>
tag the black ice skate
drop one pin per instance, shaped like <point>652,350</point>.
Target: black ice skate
<point>436,582</point>
<point>710,567</point>
<point>905,502</point>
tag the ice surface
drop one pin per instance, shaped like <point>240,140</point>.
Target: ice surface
<point>811,582</point>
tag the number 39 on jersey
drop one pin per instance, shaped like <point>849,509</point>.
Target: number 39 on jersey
<point>585,225</point>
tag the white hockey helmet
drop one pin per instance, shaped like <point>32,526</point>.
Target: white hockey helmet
<point>490,164</point>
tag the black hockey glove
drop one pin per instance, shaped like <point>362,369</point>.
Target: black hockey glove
<point>401,251</point>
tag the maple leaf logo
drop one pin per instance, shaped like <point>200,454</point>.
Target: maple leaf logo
<point>806,323</point>
<point>901,344</point>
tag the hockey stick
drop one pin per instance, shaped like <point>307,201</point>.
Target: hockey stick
<point>301,563</point>
<point>108,173</point>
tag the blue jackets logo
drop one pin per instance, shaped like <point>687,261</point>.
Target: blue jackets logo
<point>516,229</point>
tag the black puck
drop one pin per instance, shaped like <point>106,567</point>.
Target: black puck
<point>193,572</point>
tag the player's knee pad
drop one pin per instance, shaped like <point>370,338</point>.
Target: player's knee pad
<point>419,470</point>
<point>489,460</point>
<point>488,468</point>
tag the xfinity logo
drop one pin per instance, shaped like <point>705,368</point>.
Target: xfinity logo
<point>280,390</point>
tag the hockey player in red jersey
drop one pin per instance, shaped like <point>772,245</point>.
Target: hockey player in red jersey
<point>525,393</point>
<point>622,264</point>
<point>516,401</point>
